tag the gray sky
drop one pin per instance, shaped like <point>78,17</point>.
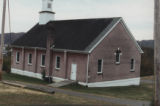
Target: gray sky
<point>138,14</point>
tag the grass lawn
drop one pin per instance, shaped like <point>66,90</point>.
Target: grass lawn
<point>148,77</point>
<point>18,96</point>
<point>142,92</point>
<point>14,77</point>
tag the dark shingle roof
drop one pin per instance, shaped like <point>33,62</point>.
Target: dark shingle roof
<point>68,34</point>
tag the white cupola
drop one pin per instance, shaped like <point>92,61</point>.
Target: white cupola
<point>46,14</point>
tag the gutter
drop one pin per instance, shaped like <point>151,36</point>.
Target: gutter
<point>87,75</point>
<point>28,47</point>
<point>67,50</point>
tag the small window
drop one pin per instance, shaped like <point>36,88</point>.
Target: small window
<point>118,53</point>
<point>17,57</point>
<point>132,64</point>
<point>30,58</point>
<point>43,59</point>
<point>100,65</point>
<point>58,59</point>
<point>49,5</point>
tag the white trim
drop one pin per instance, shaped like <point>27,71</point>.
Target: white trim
<point>72,51</point>
<point>126,28</point>
<point>57,79</point>
<point>72,76</point>
<point>82,83</point>
<point>33,75</point>
<point>87,69</point>
<point>118,57</point>
<point>26,73</point>
<point>104,36</point>
<point>123,82</point>
<point>131,35</point>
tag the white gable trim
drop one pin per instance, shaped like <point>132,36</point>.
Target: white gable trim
<point>107,33</point>
<point>131,35</point>
<point>104,36</point>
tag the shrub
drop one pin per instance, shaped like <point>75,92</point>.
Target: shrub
<point>43,74</point>
<point>7,63</point>
<point>147,63</point>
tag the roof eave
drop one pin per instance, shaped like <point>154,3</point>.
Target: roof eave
<point>97,41</point>
<point>105,32</point>
<point>68,50</point>
<point>131,35</point>
<point>15,46</point>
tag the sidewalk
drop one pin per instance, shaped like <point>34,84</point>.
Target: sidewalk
<point>89,96</point>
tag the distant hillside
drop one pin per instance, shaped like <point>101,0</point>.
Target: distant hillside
<point>147,62</point>
<point>10,38</point>
<point>146,43</point>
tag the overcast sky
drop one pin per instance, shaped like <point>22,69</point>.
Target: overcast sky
<point>138,14</point>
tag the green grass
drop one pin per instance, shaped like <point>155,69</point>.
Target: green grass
<point>18,96</point>
<point>14,77</point>
<point>142,92</point>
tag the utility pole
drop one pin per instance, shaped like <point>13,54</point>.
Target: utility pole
<point>2,37</point>
<point>157,51</point>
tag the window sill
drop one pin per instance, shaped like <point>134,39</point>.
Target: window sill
<point>99,73</point>
<point>57,68</point>
<point>132,70</point>
<point>29,64</point>
<point>117,63</point>
<point>43,66</point>
<point>17,62</point>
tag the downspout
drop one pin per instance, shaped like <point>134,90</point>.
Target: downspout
<point>65,64</point>
<point>87,75</point>
<point>35,59</point>
<point>23,59</point>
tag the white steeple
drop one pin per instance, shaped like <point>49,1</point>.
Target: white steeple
<point>46,14</point>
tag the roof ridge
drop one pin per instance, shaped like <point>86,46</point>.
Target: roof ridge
<point>79,19</point>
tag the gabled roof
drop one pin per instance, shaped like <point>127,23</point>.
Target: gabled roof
<point>75,35</point>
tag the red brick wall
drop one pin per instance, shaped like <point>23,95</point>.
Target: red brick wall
<point>13,57</point>
<point>118,38</point>
<point>58,72</point>
<point>39,67</point>
<point>27,66</point>
<point>81,61</point>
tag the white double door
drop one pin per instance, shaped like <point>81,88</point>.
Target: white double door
<point>73,72</point>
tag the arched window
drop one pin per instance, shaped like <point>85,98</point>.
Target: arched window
<point>118,54</point>
<point>132,64</point>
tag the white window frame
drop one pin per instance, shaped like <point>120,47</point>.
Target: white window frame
<point>29,58</point>
<point>119,57</point>
<point>44,60</point>
<point>59,63</point>
<point>16,57</point>
<point>101,67</point>
<point>133,70</point>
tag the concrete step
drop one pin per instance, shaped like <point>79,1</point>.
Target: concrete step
<point>62,83</point>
